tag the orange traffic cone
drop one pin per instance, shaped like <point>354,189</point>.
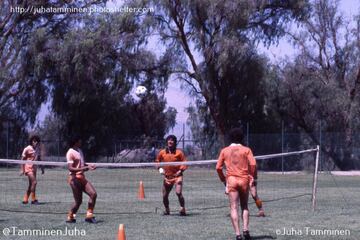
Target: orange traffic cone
<point>141,192</point>
<point>121,232</point>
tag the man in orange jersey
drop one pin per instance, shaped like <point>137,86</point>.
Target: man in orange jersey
<point>78,182</point>
<point>31,153</point>
<point>173,175</point>
<point>240,173</point>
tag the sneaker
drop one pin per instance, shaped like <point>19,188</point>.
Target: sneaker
<point>25,200</point>
<point>238,237</point>
<point>182,212</point>
<point>246,235</point>
<point>90,220</point>
<point>35,202</point>
<point>71,220</point>
<point>261,213</point>
<point>167,211</point>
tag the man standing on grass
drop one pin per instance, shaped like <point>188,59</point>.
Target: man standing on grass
<point>240,174</point>
<point>78,183</point>
<point>173,175</point>
<point>31,153</point>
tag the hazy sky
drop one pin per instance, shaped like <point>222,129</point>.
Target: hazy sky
<point>180,100</point>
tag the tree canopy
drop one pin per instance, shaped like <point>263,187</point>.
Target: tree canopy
<point>86,67</point>
<point>217,39</point>
<point>320,87</point>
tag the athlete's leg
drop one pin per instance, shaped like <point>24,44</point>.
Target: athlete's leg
<point>91,192</point>
<point>178,189</point>
<point>32,185</point>
<point>166,189</point>
<point>77,190</point>
<point>258,202</point>
<point>28,190</point>
<point>234,203</point>
<point>244,196</point>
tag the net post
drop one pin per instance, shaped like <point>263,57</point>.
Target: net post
<point>315,178</point>
<point>282,146</point>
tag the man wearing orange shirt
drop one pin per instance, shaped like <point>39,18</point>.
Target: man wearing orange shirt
<point>240,173</point>
<point>31,153</point>
<point>78,182</point>
<point>173,175</point>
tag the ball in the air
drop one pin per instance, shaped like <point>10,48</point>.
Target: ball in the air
<point>140,91</point>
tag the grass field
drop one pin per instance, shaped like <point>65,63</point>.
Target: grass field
<point>287,202</point>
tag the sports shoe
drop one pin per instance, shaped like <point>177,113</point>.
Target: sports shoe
<point>182,212</point>
<point>261,213</point>
<point>167,211</point>
<point>35,202</point>
<point>90,220</point>
<point>25,199</point>
<point>71,220</point>
<point>246,235</point>
<point>238,237</point>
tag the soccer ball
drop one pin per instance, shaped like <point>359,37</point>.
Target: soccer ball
<point>140,91</point>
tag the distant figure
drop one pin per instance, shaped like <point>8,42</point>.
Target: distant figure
<point>31,153</point>
<point>173,175</point>
<point>240,173</point>
<point>78,182</point>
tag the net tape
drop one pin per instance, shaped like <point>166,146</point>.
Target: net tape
<point>152,164</point>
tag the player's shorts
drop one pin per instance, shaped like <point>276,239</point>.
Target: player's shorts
<point>29,168</point>
<point>237,184</point>
<point>79,180</point>
<point>173,180</point>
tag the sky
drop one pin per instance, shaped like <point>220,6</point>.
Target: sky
<point>179,99</point>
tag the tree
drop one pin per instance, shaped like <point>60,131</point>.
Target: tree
<point>323,81</point>
<point>217,39</point>
<point>91,71</point>
<point>21,92</point>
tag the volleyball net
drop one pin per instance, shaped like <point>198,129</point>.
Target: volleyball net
<point>152,164</point>
<point>117,185</point>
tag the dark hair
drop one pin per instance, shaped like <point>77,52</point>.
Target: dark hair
<point>173,137</point>
<point>236,135</point>
<point>73,140</point>
<point>34,137</point>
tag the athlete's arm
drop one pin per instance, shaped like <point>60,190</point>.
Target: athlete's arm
<point>74,169</point>
<point>219,167</point>
<point>22,166</point>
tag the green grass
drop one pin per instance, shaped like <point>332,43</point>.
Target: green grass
<point>287,202</point>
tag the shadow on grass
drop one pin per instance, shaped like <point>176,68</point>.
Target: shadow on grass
<point>190,213</point>
<point>290,197</point>
<point>263,237</point>
<point>61,213</point>
<point>271,200</point>
<point>39,203</point>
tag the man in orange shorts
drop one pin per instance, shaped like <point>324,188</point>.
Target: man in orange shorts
<point>240,173</point>
<point>173,175</point>
<point>78,182</point>
<point>31,153</point>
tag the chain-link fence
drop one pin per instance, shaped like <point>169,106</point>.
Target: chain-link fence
<point>336,152</point>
